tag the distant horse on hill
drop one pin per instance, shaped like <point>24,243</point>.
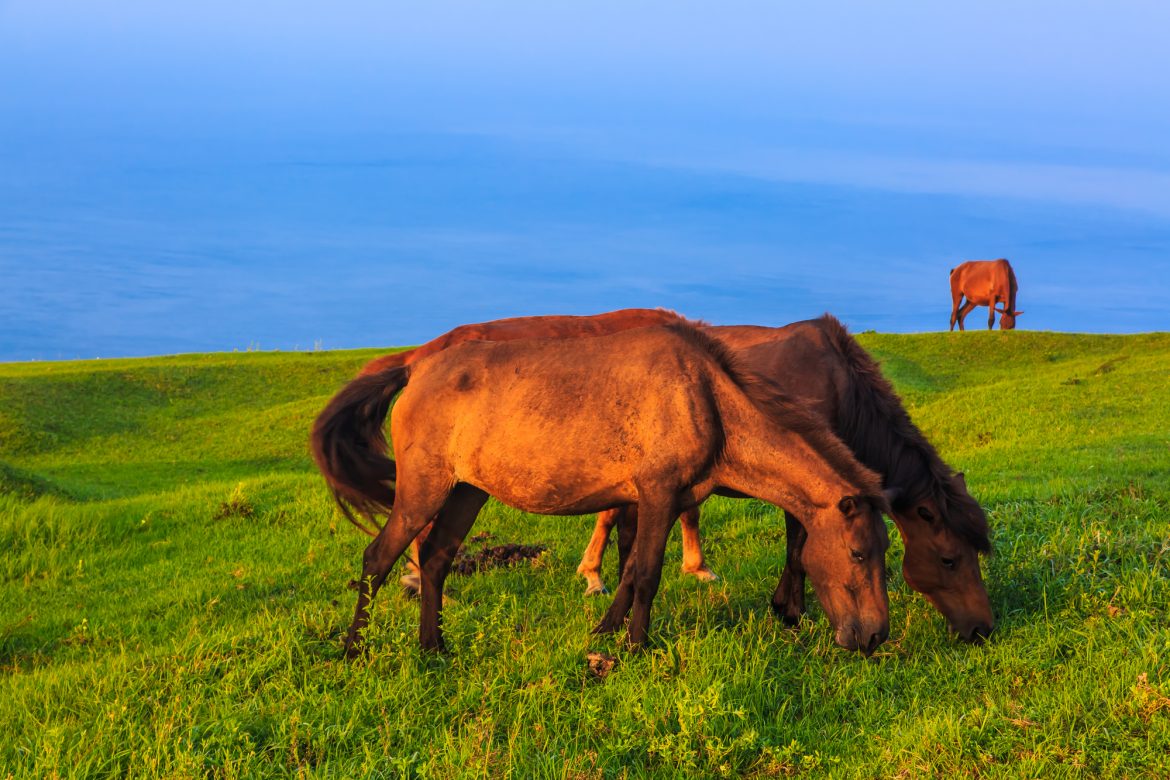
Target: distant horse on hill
<point>656,416</point>
<point>984,283</point>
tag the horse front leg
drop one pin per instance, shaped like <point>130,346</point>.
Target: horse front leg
<point>654,522</point>
<point>627,525</point>
<point>991,314</point>
<point>788,600</point>
<point>623,599</point>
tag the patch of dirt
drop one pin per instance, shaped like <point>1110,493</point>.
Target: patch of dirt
<point>599,665</point>
<point>469,562</point>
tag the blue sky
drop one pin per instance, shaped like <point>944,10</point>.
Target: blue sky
<point>181,176</point>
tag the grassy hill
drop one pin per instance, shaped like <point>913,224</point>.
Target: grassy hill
<point>173,591</point>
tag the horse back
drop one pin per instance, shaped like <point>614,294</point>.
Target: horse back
<point>981,280</point>
<point>798,358</point>
<point>516,328</point>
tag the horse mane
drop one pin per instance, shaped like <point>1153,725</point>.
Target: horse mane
<point>874,423</point>
<point>782,409</point>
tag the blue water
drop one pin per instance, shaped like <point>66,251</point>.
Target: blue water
<point>126,249</point>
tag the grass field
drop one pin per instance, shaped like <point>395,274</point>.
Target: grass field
<point>173,592</point>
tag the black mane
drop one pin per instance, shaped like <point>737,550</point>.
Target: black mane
<point>873,422</point>
<point>781,408</point>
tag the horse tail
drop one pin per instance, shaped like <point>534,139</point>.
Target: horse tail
<point>393,360</point>
<point>350,448</point>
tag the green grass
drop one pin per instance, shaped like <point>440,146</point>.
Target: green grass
<point>173,592</point>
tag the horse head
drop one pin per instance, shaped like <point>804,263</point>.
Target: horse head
<point>943,541</point>
<point>1007,320</point>
<point>845,558</point>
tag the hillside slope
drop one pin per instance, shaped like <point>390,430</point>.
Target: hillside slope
<point>173,588</point>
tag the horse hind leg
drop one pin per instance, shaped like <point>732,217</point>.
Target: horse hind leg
<point>407,518</point>
<point>788,600</point>
<point>434,564</point>
<point>963,312</point>
<point>693,562</point>
<point>590,567</point>
<point>410,580</point>
<point>956,301</point>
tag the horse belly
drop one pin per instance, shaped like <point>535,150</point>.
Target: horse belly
<point>543,478</point>
<point>584,462</point>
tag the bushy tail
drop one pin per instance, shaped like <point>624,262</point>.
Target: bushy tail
<point>350,448</point>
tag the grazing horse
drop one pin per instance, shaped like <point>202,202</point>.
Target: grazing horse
<point>657,416</point>
<point>984,283</point>
<point>511,329</point>
<point>943,528</point>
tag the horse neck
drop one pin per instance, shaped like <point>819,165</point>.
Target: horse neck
<point>885,440</point>
<point>764,459</point>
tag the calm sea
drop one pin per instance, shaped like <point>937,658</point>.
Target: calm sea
<point>147,248</point>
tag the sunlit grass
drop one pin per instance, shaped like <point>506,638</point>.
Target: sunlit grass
<point>173,590</point>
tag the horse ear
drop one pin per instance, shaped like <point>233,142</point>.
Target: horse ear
<point>1017,314</point>
<point>959,480</point>
<point>892,494</point>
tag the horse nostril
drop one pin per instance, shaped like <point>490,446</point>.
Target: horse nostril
<point>875,639</point>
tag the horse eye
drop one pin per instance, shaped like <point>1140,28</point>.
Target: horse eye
<point>949,563</point>
<point>858,556</point>
<point>925,514</point>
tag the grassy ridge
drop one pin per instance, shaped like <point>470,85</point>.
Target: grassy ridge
<point>173,589</point>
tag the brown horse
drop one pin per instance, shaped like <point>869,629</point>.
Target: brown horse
<point>943,528</point>
<point>984,283</point>
<point>522,420</point>
<point>511,329</point>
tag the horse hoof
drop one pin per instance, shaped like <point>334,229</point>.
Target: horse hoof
<point>598,589</point>
<point>790,617</point>
<point>703,575</point>
<point>410,583</point>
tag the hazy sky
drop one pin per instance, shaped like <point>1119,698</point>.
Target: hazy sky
<point>758,151</point>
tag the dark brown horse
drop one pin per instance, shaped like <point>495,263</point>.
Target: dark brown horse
<point>656,416</point>
<point>944,529</point>
<point>984,283</point>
